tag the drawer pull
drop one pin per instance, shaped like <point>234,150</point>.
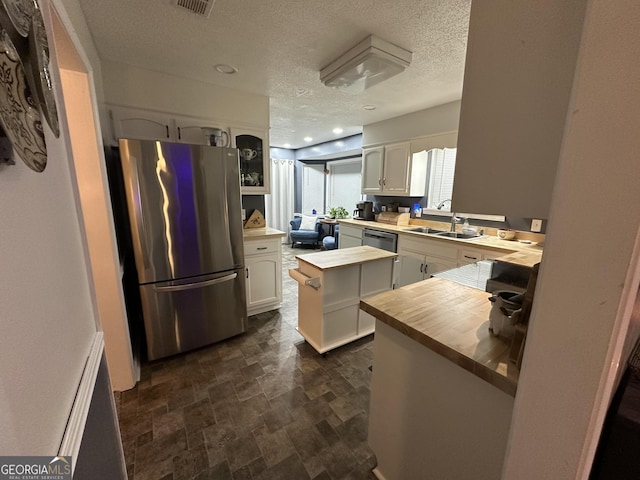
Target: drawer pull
<point>261,248</point>
<point>470,257</point>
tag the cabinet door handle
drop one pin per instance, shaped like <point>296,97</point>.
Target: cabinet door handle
<point>384,181</point>
<point>380,182</point>
<point>247,272</point>
<point>261,248</point>
<point>179,133</point>
<point>167,127</point>
<point>421,265</point>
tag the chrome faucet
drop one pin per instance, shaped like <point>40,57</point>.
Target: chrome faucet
<point>441,204</point>
<point>454,220</point>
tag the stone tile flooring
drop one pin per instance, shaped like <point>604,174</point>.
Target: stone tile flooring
<point>263,405</point>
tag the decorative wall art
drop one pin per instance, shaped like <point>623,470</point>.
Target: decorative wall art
<point>26,91</point>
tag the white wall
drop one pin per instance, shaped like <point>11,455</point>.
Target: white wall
<point>125,85</point>
<point>47,312</point>
<point>589,274</point>
<point>424,123</point>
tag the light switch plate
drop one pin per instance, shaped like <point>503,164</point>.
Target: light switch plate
<point>536,225</point>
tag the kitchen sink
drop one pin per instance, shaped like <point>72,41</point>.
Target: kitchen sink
<point>462,236</point>
<point>424,230</point>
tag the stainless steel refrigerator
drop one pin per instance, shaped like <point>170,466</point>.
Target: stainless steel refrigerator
<point>185,213</point>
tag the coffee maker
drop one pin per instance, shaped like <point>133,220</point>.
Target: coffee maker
<point>364,211</point>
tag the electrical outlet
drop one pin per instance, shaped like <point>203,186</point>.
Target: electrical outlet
<point>536,225</point>
<point>244,214</point>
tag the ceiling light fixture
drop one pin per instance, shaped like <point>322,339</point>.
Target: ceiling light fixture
<point>226,69</point>
<point>308,139</point>
<point>338,130</point>
<point>370,62</point>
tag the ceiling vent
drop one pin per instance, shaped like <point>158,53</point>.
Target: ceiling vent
<point>202,8</point>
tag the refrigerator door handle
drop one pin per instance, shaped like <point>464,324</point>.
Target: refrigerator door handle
<point>189,286</point>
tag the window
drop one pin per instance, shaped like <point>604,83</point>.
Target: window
<point>442,165</point>
<point>312,189</point>
<point>337,186</point>
<point>344,184</point>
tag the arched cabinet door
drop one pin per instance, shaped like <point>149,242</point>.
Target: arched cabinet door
<point>254,160</point>
<point>141,124</point>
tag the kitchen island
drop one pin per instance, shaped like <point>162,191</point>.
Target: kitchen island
<point>443,387</point>
<point>330,286</point>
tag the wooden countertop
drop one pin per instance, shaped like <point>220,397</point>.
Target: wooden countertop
<point>261,233</point>
<point>453,321</point>
<point>489,241</point>
<point>342,257</point>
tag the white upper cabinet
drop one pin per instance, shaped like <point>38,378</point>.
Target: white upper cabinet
<point>253,144</point>
<point>521,58</point>
<point>372,170</point>
<point>393,170</point>
<point>140,124</point>
<point>201,132</point>
<point>255,162</point>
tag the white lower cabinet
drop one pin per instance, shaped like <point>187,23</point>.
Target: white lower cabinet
<point>263,269</point>
<point>349,236</point>
<point>473,255</point>
<point>421,258</point>
<point>431,419</point>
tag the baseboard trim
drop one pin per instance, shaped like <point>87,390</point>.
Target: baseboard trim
<point>72,438</point>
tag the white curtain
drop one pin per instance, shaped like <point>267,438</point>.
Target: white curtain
<point>279,204</point>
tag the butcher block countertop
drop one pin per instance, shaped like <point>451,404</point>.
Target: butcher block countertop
<point>342,257</point>
<point>453,321</point>
<point>261,233</point>
<point>488,241</point>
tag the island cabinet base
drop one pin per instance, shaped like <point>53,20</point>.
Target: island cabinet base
<point>329,315</point>
<point>430,418</point>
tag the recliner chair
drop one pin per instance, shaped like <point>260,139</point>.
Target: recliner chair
<point>309,237</point>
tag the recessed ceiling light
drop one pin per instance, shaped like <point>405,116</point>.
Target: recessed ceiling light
<point>308,139</point>
<point>287,145</point>
<point>226,69</point>
<point>368,107</point>
<point>338,130</point>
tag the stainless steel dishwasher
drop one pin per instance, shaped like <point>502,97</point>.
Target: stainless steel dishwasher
<point>379,239</point>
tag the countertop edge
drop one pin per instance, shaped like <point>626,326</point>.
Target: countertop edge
<point>482,371</point>
<point>309,259</point>
<point>261,233</point>
<point>485,242</point>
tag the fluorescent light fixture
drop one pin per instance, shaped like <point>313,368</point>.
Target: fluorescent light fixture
<point>370,62</point>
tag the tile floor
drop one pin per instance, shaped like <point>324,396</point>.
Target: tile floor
<point>263,405</point>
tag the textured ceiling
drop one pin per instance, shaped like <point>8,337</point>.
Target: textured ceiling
<point>279,47</point>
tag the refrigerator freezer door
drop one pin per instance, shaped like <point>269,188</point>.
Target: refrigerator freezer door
<point>185,208</point>
<point>190,313</point>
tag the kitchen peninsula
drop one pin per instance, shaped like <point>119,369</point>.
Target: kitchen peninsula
<point>443,387</point>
